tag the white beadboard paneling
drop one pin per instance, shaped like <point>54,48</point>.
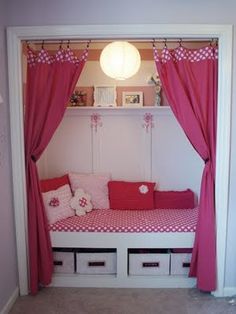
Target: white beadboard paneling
<point>175,164</point>
<point>121,147</point>
<point>70,148</point>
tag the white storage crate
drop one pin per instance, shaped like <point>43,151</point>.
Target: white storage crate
<point>96,263</point>
<point>63,262</point>
<point>149,264</point>
<point>180,263</point>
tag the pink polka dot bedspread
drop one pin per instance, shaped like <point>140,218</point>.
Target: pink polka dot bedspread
<point>109,220</point>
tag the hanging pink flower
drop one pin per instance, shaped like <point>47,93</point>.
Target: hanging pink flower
<point>96,121</point>
<point>148,121</point>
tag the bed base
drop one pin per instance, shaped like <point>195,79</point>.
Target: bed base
<point>122,242</point>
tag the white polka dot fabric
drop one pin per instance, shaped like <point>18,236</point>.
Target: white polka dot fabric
<point>109,220</point>
<point>181,53</point>
<point>62,55</point>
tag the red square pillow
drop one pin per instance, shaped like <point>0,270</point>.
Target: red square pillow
<point>131,195</point>
<point>174,199</point>
<point>53,183</point>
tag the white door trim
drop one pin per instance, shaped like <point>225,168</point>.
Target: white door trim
<point>147,31</point>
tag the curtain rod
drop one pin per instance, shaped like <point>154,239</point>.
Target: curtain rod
<point>138,40</point>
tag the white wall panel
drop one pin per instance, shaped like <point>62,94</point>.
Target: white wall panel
<point>121,147</point>
<point>70,148</point>
<point>119,144</point>
<point>175,164</point>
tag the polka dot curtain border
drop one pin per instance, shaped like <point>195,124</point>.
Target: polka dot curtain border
<point>181,53</point>
<point>61,55</point>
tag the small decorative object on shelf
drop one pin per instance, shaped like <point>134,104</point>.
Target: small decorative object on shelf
<point>78,99</point>
<point>105,96</point>
<point>132,99</point>
<point>157,82</point>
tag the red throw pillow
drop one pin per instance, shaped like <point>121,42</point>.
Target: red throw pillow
<point>174,199</point>
<point>53,183</point>
<point>131,195</point>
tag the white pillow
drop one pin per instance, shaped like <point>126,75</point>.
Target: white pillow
<point>93,184</point>
<point>57,204</point>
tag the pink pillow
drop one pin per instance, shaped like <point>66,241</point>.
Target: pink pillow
<point>94,185</point>
<point>131,195</point>
<point>57,204</point>
<point>174,199</point>
<point>53,183</point>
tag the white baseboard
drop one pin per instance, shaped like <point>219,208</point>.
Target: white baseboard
<point>229,291</point>
<point>10,302</point>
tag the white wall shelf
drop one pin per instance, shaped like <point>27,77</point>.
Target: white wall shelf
<point>88,110</point>
<point>118,107</point>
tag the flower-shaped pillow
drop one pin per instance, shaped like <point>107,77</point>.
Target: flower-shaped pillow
<point>81,202</point>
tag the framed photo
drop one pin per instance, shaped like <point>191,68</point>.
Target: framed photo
<point>132,99</point>
<point>104,96</point>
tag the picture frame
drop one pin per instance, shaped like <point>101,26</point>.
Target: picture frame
<point>105,96</point>
<point>132,99</point>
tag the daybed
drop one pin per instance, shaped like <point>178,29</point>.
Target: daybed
<point>124,231</point>
<point>118,247</point>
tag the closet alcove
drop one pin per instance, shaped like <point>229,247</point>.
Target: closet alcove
<point>15,35</point>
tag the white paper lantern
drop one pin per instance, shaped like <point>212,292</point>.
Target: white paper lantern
<point>120,60</point>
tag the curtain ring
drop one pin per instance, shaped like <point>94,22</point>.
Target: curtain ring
<point>214,42</point>
<point>60,47</point>
<point>89,41</point>
<point>42,46</point>
<point>180,42</point>
<point>68,44</point>
<point>153,43</point>
<point>27,44</point>
<point>164,42</point>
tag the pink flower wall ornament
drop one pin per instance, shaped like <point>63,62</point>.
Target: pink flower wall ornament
<point>96,121</point>
<point>148,121</point>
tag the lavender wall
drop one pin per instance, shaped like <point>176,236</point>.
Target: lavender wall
<point>8,264</point>
<point>45,12</point>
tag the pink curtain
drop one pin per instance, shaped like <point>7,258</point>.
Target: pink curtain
<point>189,80</point>
<point>51,80</point>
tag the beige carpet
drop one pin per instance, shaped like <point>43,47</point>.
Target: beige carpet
<point>123,301</point>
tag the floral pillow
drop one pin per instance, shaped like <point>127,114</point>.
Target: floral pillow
<point>57,204</point>
<point>93,184</point>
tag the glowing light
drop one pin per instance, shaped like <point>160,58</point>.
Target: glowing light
<point>120,60</point>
